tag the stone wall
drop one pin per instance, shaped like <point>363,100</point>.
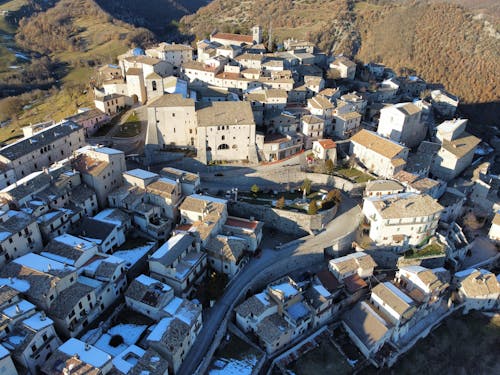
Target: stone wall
<point>295,223</point>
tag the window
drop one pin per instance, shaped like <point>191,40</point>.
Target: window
<point>154,85</point>
<point>33,348</point>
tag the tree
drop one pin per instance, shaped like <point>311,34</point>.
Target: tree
<point>280,203</point>
<point>255,189</point>
<point>313,208</point>
<point>329,166</point>
<point>334,195</point>
<point>306,186</point>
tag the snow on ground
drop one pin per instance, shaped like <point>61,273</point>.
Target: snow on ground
<point>224,366</point>
<point>129,332</point>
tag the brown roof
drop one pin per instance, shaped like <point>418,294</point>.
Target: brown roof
<point>496,219</point>
<point>134,72</point>
<point>354,283</point>
<point>329,281</point>
<point>320,102</point>
<point>480,284</point>
<point>85,164</point>
<point>377,143</point>
<point>162,187</point>
<point>143,59</point>
<point>172,100</point>
<point>229,248</point>
<point>234,37</point>
<point>226,113</point>
<point>391,299</point>
<point>327,144</point>
<point>461,146</point>
<point>366,324</point>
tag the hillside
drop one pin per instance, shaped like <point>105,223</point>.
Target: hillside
<point>50,48</point>
<point>159,16</point>
<point>439,40</point>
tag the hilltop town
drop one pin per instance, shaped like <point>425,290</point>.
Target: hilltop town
<point>228,209</point>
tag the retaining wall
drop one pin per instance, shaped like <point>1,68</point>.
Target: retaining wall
<point>283,220</point>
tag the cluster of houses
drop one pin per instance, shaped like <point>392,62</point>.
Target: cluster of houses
<point>101,265</point>
<point>68,214</point>
<point>383,317</point>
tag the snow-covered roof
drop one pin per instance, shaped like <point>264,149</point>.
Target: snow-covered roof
<point>87,353</point>
<point>158,331</point>
<point>146,280</point>
<point>15,283</point>
<point>128,358</point>
<point>74,241</point>
<point>286,289</point>
<point>40,263</point>
<point>19,308</point>
<point>298,310</point>
<point>38,321</point>
<point>3,352</point>
<point>141,173</point>
<point>108,151</point>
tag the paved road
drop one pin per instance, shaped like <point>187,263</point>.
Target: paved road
<point>280,263</point>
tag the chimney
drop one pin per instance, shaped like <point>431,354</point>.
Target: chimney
<point>49,267</point>
<point>18,309</point>
<point>87,347</point>
<point>43,316</point>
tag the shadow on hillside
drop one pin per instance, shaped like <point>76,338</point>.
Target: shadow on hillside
<point>481,114</point>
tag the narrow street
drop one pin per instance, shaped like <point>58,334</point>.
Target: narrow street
<point>280,263</point>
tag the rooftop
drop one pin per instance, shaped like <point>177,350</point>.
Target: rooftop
<point>172,100</point>
<point>405,205</point>
<point>377,143</point>
<point>248,39</point>
<point>383,185</point>
<point>39,140</point>
<point>225,113</point>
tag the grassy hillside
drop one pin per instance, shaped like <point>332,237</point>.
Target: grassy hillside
<point>72,37</point>
<point>440,40</point>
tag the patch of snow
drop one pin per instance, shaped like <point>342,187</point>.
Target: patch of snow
<point>287,289</point>
<point>3,352</point>
<point>23,306</point>
<point>298,310</point>
<point>158,331</point>
<point>37,322</point>
<point>132,256</point>
<point>88,354</point>
<point>321,290</point>
<point>263,298</point>
<point>17,284</point>
<point>128,358</point>
<point>167,246</point>
<point>58,258</point>
<point>146,280</point>
<point>141,173</point>
<point>231,366</point>
<point>74,241</point>
<point>40,263</point>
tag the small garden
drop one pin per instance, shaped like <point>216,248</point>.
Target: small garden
<point>130,128</point>
<point>345,170</point>
<point>432,249</point>
<point>305,199</point>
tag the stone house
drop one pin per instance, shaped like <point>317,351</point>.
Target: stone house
<point>402,123</point>
<point>444,103</point>
<point>401,219</point>
<point>76,354</point>
<point>227,254</point>
<point>249,230</point>
<point>226,131</point>
<point>313,129</point>
<point>175,54</point>
<point>325,149</point>
<point>110,104</point>
<point>19,235</point>
<point>456,152</point>
<point>38,150</point>
<point>377,188</point>
<point>179,262</point>
<point>190,182</point>
<point>278,146</point>
<point>90,119</point>
<point>346,124</point>
<point>101,169</point>
<point>358,263</point>
<point>379,155</point>
<point>478,289</point>
<point>345,67</point>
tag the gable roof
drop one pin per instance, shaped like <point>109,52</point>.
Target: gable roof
<point>377,143</point>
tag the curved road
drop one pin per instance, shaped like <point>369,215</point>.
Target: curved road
<point>275,261</point>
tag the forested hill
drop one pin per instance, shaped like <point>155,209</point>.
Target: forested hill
<point>439,40</point>
<point>159,16</point>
